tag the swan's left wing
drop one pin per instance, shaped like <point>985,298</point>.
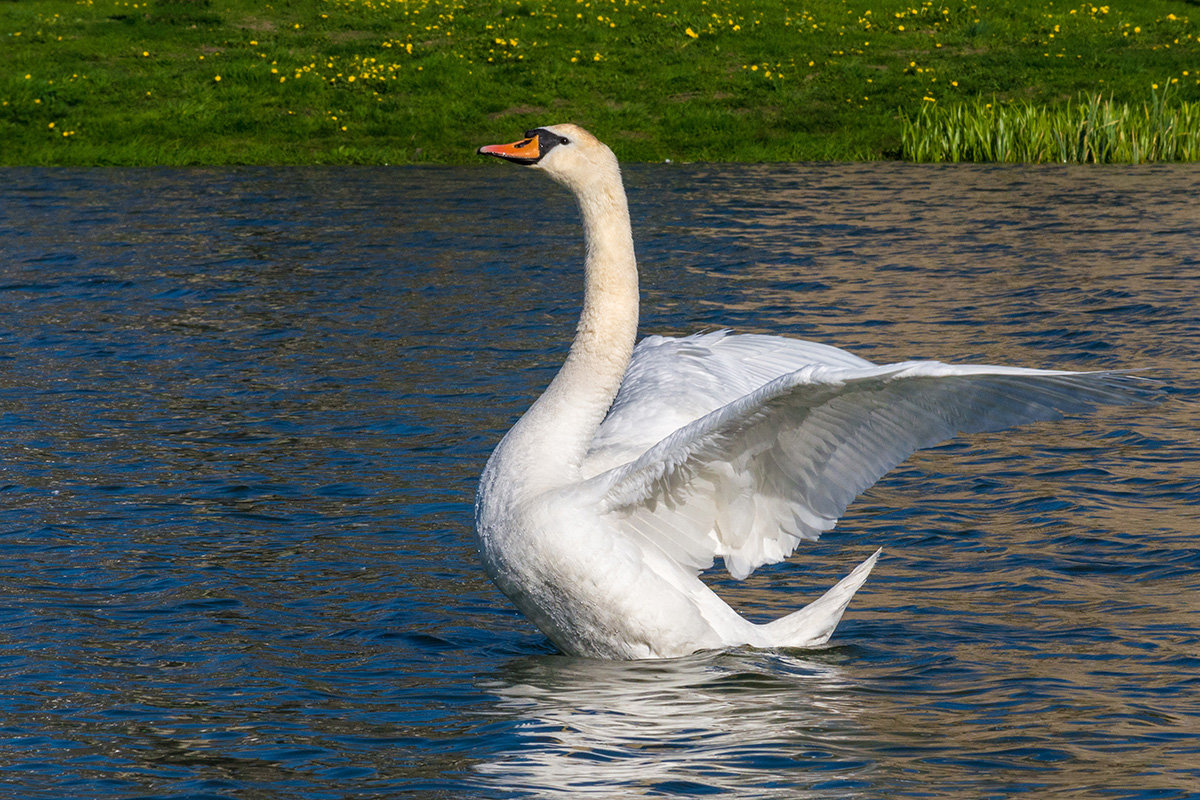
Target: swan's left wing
<point>751,479</point>
<point>672,381</point>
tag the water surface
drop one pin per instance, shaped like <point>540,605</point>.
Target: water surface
<point>242,414</point>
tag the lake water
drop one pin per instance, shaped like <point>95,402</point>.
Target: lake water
<point>242,414</point>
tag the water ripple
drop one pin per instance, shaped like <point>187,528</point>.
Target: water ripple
<point>243,413</point>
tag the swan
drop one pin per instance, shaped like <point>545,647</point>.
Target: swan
<point>639,466</point>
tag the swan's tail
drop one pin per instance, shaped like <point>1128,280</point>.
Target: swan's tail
<point>812,625</point>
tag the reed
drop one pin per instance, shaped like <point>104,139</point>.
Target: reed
<point>1089,130</point>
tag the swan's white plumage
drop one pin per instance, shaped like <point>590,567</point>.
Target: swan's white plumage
<point>753,478</point>
<point>673,381</point>
<point>638,467</point>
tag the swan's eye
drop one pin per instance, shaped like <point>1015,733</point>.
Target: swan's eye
<point>546,139</point>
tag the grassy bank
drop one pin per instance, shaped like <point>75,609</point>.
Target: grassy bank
<point>401,81</point>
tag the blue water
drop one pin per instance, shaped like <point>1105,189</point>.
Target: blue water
<point>242,414</point>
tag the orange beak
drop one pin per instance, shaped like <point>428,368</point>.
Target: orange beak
<point>526,151</point>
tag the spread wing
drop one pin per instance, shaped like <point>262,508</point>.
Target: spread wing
<point>671,382</point>
<point>750,479</point>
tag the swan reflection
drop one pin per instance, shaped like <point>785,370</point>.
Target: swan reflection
<point>732,722</point>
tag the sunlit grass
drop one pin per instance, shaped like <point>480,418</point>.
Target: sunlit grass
<point>1090,130</point>
<point>401,81</point>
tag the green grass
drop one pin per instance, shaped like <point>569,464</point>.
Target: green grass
<point>406,81</point>
<point>1091,130</point>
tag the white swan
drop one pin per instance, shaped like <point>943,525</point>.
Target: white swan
<point>637,467</point>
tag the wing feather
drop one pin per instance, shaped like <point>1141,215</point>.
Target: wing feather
<point>673,381</point>
<point>749,480</point>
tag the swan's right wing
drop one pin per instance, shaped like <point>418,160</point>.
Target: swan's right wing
<point>751,479</point>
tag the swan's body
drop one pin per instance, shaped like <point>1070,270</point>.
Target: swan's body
<point>637,467</point>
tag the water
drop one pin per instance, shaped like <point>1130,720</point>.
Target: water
<point>243,413</point>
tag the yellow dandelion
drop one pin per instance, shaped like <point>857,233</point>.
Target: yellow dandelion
<point>217,78</point>
<point>691,33</point>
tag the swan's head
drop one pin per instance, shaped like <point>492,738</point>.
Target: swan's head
<point>567,153</point>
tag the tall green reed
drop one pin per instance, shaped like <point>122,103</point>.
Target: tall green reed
<point>1090,130</point>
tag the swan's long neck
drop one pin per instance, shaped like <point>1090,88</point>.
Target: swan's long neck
<point>558,429</point>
